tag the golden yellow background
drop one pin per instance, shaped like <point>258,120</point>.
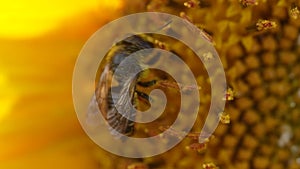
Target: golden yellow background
<point>39,44</point>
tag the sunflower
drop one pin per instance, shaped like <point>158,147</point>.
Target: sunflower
<point>258,42</point>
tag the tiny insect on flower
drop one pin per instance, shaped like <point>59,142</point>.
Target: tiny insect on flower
<point>224,118</point>
<point>192,3</point>
<point>209,166</point>
<point>229,95</point>
<point>247,3</point>
<point>137,166</point>
<point>262,25</point>
<point>294,12</point>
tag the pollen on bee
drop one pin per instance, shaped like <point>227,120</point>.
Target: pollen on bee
<point>137,166</point>
<point>224,118</point>
<point>191,3</point>
<point>247,3</point>
<point>209,165</point>
<point>294,11</point>
<point>262,25</point>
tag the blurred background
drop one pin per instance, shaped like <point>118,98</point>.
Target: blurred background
<point>39,44</point>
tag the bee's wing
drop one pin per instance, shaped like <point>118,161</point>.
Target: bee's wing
<point>92,116</point>
<point>119,121</point>
<point>99,101</point>
<point>103,90</point>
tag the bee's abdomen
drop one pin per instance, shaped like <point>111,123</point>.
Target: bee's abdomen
<point>119,121</point>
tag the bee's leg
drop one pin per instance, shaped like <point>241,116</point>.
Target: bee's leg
<point>143,95</point>
<point>147,84</point>
<point>178,86</point>
<point>163,83</point>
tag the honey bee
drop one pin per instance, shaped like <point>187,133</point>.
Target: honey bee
<point>118,95</point>
<point>119,122</point>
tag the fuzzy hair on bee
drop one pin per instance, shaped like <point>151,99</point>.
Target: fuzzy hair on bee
<point>124,81</point>
<point>119,122</point>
